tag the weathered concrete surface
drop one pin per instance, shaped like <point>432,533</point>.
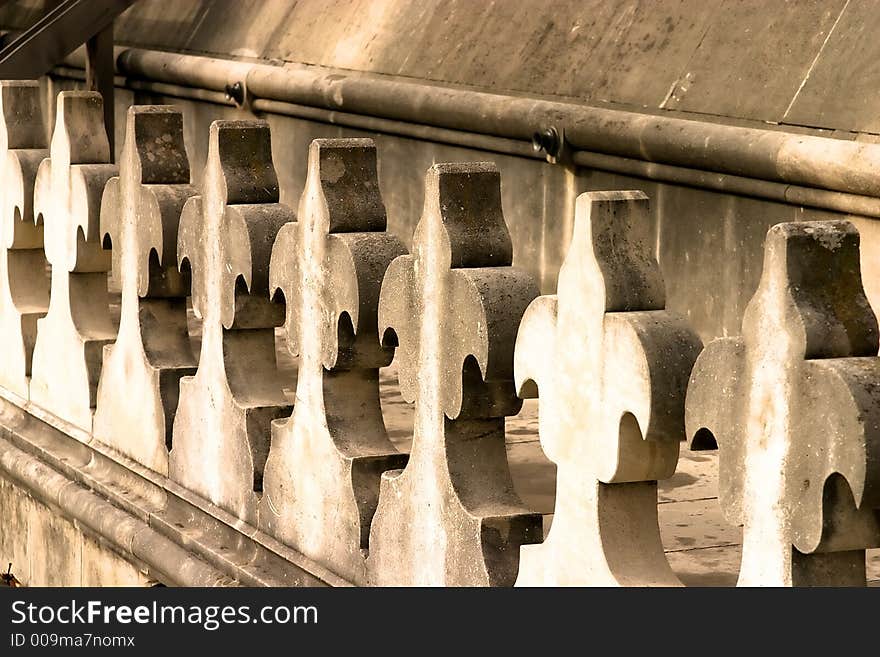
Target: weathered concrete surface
<point>163,529</point>
<point>794,405</point>
<point>743,59</point>
<point>67,199</point>
<point>452,516</point>
<point>611,365</point>
<point>45,549</point>
<point>845,70</point>
<point>140,212</point>
<point>24,281</point>
<point>322,476</point>
<point>752,61</point>
<point>222,426</point>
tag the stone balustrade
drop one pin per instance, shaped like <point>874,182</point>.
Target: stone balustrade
<point>24,281</point>
<point>140,213</point>
<point>612,367</point>
<point>68,351</point>
<point>793,405</point>
<point>221,432</point>
<point>322,474</point>
<point>198,429</point>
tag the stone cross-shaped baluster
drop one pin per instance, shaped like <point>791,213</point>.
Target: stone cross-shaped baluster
<point>452,517</point>
<point>612,366</point>
<point>67,195</point>
<point>140,211</point>
<point>221,429</point>
<point>322,475</point>
<point>794,407</point>
<point>24,279</point>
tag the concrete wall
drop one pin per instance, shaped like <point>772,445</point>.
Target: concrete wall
<point>796,62</point>
<point>725,61</point>
<point>75,559</point>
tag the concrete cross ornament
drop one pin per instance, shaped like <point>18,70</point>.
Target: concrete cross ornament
<point>322,475</point>
<point>611,365</point>
<point>794,408</point>
<point>452,517</point>
<point>67,196</point>
<point>24,281</point>
<point>140,212</point>
<point>221,429</point>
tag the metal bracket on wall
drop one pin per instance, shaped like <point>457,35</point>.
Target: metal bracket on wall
<point>551,142</point>
<point>237,93</point>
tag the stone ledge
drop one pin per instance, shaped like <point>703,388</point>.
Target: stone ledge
<point>145,517</point>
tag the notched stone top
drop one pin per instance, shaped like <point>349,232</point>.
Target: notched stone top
<point>604,347</point>
<point>242,150</point>
<point>618,250</point>
<point>341,234</point>
<point>22,115</point>
<point>70,182</point>
<point>463,201</point>
<point>348,178</point>
<point>79,136</point>
<point>812,279</point>
<point>158,149</point>
<point>148,193</point>
<point>23,145</point>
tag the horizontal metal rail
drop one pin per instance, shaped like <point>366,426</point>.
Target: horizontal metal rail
<point>820,172</point>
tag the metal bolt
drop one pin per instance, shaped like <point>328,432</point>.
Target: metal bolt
<point>546,140</point>
<point>235,92</point>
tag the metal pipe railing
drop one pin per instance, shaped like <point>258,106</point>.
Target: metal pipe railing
<point>821,172</point>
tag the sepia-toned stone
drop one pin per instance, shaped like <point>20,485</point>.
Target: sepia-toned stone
<point>793,405</point>
<point>24,278</point>
<point>611,365</point>
<point>140,212</point>
<point>221,429</point>
<point>67,197</point>
<point>322,475</point>
<point>452,517</point>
